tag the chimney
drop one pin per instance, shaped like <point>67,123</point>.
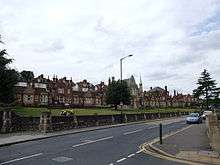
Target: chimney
<point>54,79</point>
<point>113,78</point>
<point>166,88</point>
<point>174,93</point>
<point>151,88</point>
<point>109,81</point>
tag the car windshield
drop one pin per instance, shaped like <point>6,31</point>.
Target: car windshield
<point>194,115</point>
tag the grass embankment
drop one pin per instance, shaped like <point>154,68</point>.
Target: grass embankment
<point>35,112</point>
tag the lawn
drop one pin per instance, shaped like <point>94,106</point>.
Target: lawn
<point>35,112</point>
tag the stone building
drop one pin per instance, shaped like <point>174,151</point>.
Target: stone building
<point>160,98</point>
<point>180,100</point>
<point>136,92</point>
<point>157,98</point>
<point>63,92</point>
<point>33,93</point>
<point>60,92</point>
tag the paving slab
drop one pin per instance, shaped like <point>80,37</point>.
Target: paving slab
<point>191,144</point>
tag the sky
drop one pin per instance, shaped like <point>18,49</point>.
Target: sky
<point>172,41</point>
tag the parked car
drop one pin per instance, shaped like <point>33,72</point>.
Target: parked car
<point>194,118</point>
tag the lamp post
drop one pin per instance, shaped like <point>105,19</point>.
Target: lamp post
<point>121,103</point>
<point>121,64</point>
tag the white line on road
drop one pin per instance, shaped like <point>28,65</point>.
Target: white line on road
<point>152,127</point>
<point>26,157</point>
<point>129,156</point>
<point>92,141</point>
<point>127,133</point>
<point>120,160</point>
<point>139,151</point>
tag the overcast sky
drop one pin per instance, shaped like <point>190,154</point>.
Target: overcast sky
<point>172,40</point>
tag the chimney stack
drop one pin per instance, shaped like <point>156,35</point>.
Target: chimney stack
<point>166,88</point>
<point>113,78</point>
<point>109,81</point>
<point>174,93</point>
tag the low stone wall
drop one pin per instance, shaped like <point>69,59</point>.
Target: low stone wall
<point>213,125</point>
<point>48,123</point>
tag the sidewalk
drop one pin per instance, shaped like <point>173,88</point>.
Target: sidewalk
<point>190,144</point>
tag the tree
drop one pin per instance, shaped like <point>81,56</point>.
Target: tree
<point>117,92</point>
<point>8,79</point>
<point>27,76</point>
<point>206,89</point>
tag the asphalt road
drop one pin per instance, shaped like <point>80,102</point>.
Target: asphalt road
<point>111,146</point>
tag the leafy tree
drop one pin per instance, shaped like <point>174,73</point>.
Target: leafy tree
<point>206,89</point>
<point>8,79</point>
<point>27,76</point>
<point>117,92</point>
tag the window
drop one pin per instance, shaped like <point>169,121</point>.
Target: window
<point>61,90</point>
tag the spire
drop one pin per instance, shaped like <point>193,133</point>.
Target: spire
<point>140,80</point>
<point>140,86</point>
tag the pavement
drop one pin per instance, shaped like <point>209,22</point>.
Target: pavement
<point>191,144</point>
<point>109,146</point>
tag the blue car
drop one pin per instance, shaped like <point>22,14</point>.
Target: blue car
<point>194,118</point>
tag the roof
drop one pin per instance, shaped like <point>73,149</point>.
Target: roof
<point>157,89</point>
<point>131,82</point>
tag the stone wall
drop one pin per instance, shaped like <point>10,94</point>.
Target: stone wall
<point>48,123</point>
<point>213,125</point>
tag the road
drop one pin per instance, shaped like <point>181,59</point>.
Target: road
<point>119,145</point>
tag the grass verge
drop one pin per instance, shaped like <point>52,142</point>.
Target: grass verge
<point>35,112</point>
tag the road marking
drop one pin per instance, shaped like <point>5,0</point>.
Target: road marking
<point>129,156</point>
<point>111,164</point>
<point>139,151</point>
<point>152,127</point>
<point>26,157</point>
<point>120,160</point>
<point>92,141</point>
<point>127,133</point>
<point>62,159</point>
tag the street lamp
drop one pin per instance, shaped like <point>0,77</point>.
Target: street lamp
<point>121,63</point>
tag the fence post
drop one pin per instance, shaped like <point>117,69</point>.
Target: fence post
<point>145,117</point>
<point>6,121</point>
<point>136,118</point>
<point>113,119</point>
<point>75,121</point>
<point>45,122</point>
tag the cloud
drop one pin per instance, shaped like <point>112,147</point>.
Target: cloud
<point>172,41</point>
<point>56,45</point>
<point>162,75</point>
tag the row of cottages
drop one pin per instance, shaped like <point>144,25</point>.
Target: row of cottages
<point>156,97</point>
<point>59,92</point>
<point>160,98</point>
